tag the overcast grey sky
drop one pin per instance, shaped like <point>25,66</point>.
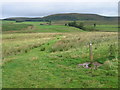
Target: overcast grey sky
<point>35,8</point>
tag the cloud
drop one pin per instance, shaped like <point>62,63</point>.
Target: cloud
<point>59,0</point>
<point>35,9</point>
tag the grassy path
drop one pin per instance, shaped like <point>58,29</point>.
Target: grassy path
<point>40,68</point>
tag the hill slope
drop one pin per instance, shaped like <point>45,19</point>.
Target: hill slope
<point>77,16</point>
<point>66,16</point>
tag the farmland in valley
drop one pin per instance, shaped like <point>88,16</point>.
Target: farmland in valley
<point>43,55</point>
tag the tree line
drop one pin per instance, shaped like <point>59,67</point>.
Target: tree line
<point>81,25</point>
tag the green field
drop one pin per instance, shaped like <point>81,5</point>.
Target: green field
<point>47,56</point>
<point>106,28</point>
<point>37,27</point>
<point>57,26</point>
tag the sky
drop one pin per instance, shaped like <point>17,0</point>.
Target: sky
<point>40,8</point>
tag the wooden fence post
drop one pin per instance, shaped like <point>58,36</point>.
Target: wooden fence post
<point>90,52</point>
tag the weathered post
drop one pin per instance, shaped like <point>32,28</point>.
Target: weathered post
<point>91,57</point>
<point>90,52</point>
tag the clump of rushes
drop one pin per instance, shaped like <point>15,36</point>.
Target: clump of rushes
<point>42,49</point>
<point>112,51</point>
<point>108,65</point>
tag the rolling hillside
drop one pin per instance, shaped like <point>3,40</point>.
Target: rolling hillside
<point>66,16</point>
<point>77,16</point>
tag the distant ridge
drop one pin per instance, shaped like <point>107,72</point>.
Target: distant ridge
<point>65,16</point>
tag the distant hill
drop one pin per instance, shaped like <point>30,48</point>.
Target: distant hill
<point>21,19</point>
<point>77,16</point>
<point>66,16</point>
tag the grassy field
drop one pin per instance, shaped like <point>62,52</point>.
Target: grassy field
<point>50,60</point>
<point>57,26</point>
<point>106,28</point>
<point>11,26</point>
<point>36,27</point>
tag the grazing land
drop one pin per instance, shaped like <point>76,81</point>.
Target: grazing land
<point>39,55</point>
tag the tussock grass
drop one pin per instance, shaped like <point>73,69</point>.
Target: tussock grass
<point>50,60</point>
<point>21,43</point>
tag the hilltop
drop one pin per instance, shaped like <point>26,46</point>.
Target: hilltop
<point>78,16</point>
<point>65,16</point>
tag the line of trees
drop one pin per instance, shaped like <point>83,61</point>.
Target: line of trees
<point>77,25</point>
<point>81,26</point>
